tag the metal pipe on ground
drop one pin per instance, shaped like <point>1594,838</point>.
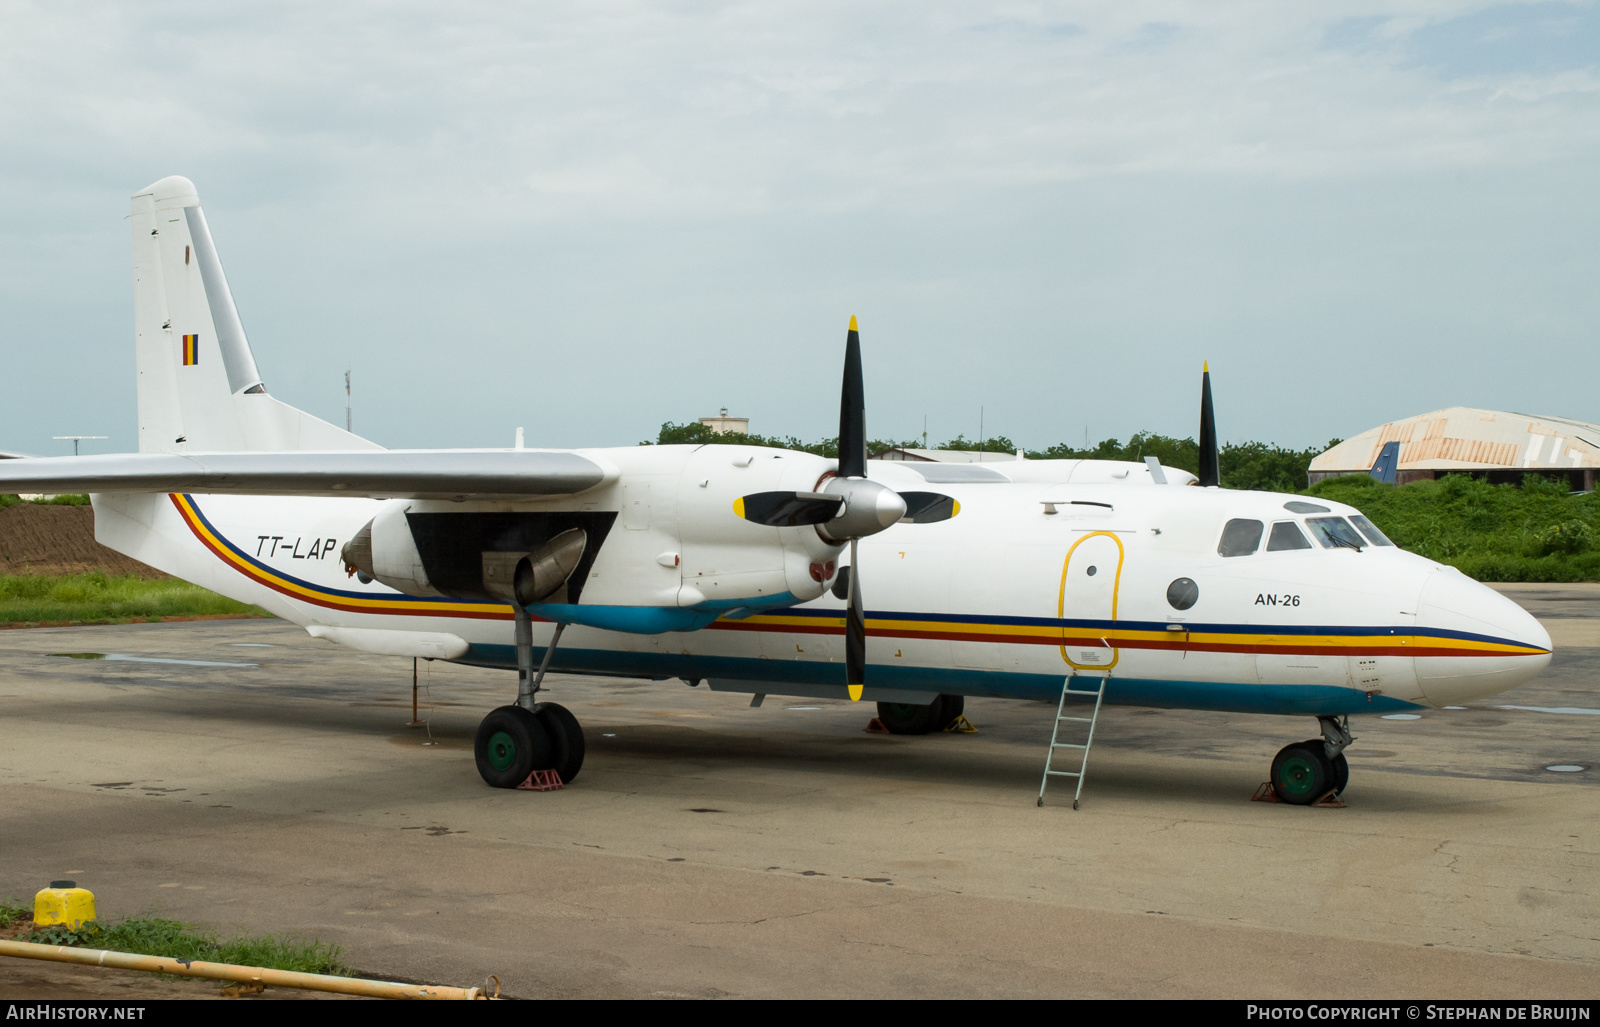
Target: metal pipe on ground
<point>232,972</point>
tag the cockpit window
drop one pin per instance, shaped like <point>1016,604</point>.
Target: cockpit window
<point>1297,506</point>
<point>1285,535</point>
<point>1240,538</point>
<point>1370,530</point>
<point>1335,533</point>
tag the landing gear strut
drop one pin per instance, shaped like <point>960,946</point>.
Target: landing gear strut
<point>514,741</point>
<point>1307,771</point>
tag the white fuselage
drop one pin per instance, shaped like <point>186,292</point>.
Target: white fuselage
<point>1005,599</point>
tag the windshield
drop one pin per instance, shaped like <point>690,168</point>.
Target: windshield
<point>1370,530</point>
<point>1286,536</point>
<point>1240,538</point>
<point>1335,533</point>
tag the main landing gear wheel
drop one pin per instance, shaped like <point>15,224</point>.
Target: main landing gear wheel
<point>511,744</point>
<point>904,718</point>
<point>566,739</point>
<point>1302,773</point>
<point>950,707</point>
<point>1341,773</point>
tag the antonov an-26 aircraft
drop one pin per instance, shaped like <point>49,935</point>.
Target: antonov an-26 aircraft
<point>749,568</point>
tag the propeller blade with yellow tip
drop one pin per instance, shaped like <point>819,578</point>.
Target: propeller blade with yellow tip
<point>788,509</point>
<point>853,464</point>
<point>855,633</point>
<point>1209,471</point>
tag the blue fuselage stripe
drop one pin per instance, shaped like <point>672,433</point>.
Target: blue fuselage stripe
<point>1222,696</point>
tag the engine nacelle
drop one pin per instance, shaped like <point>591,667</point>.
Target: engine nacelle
<point>384,551</point>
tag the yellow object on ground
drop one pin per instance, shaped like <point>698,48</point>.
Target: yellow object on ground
<point>63,903</point>
<point>232,972</point>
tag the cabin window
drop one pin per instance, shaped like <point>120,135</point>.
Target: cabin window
<point>1335,533</point>
<point>1240,538</point>
<point>1370,530</point>
<point>1286,535</point>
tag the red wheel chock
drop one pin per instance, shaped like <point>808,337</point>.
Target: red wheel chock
<point>1266,793</point>
<point>541,781</point>
<point>875,727</point>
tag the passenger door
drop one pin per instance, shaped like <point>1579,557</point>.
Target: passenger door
<point>1090,578</point>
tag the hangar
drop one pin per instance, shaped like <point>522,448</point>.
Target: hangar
<point>1493,444</point>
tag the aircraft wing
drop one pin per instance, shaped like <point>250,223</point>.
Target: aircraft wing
<point>385,474</point>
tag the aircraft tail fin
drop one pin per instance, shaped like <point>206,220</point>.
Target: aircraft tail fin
<point>1387,464</point>
<point>199,388</point>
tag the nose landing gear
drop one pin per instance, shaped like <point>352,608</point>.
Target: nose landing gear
<point>1306,772</point>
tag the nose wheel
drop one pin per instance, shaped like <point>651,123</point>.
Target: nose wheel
<point>1306,772</point>
<point>1341,773</point>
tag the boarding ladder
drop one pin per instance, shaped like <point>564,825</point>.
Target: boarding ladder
<point>1099,691</point>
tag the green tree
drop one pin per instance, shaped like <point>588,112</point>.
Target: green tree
<point>1267,468</point>
<point>696,434</point>
<point>994,444</point>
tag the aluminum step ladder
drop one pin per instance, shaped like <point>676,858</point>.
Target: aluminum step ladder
<point>1061,718</point>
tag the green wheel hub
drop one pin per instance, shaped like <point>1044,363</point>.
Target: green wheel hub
<point>1297,776</point>
<point>502,750</point>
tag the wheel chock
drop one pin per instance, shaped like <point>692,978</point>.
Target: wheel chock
<point>961,725</point>
<point>875,727</point>
<point>1266,793</point>
<point>541,781</point>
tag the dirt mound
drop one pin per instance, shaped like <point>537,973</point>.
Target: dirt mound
<point>37,539</point>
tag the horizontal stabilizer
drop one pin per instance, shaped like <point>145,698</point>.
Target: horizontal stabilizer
<point>385,474</point>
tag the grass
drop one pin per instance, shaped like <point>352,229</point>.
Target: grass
<point>10,914</point>
<point>1538,531</point>
<point>98,598</point>
<point>153,936</point>
<point>65,499</point>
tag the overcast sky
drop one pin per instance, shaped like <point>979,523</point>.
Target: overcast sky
<point>591,218</point>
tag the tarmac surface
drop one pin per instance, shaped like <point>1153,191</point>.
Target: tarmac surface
<point>710,849</point>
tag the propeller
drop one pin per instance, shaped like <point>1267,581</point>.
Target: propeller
<point>1209,475</point>
<point>849,507</point>
<point>853,473</point>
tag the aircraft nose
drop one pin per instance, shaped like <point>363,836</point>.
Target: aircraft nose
<point>1473,641</point>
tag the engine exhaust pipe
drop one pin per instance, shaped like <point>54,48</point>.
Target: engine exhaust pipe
<point>525,578</point>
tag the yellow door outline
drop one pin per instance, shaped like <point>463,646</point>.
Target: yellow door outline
<point>1116,586</point>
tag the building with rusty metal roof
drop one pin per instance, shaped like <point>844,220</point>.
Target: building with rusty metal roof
<point>1495,444</point>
